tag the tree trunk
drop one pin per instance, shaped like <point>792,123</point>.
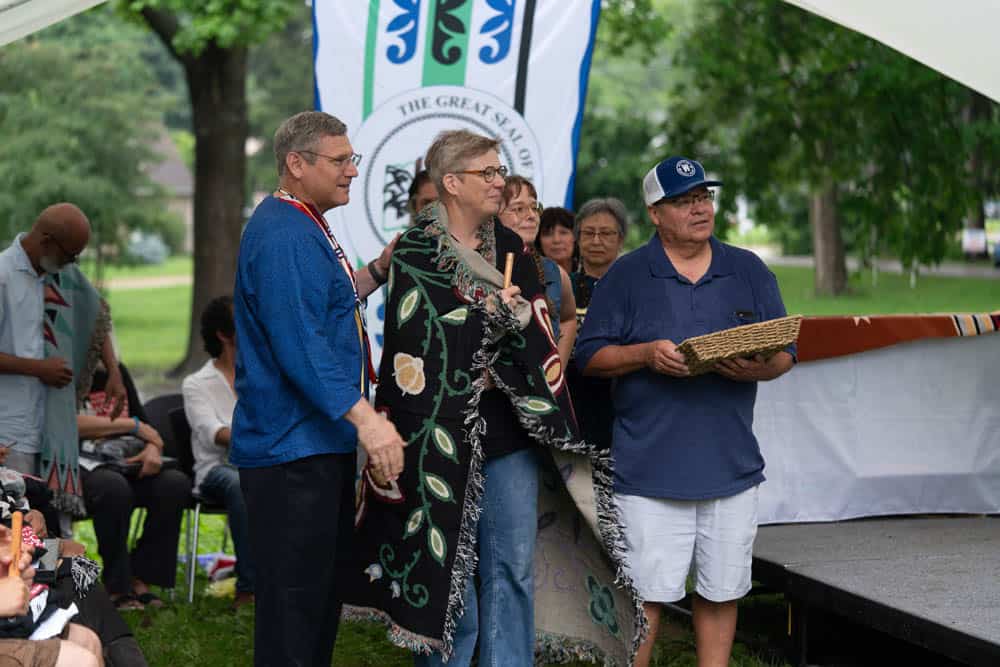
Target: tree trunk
<point>216,81</point>
<point>976,111</point>
<point>828,246</point>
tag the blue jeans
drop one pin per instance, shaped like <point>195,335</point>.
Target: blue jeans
<point>222,485</point>
<point>501,613</point>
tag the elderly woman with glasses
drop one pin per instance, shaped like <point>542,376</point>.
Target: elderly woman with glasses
<point>600,231</point>
<point>520,212</point>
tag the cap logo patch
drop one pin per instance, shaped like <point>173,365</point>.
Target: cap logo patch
<point>685,168</point>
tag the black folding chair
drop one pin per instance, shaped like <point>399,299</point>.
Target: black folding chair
<point>181,432</point>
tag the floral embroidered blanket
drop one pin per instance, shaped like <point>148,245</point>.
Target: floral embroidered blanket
<point>415,541</point>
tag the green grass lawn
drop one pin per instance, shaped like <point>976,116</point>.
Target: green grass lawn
<point>209,633</point>
<point>933,294</point>
<point>181,265</point>
<point>151,325</point>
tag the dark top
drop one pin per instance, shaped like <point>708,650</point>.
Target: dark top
<point>504,433</point>
<point>591,395</point>
<point>682,438</point>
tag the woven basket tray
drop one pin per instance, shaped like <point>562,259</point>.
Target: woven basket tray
<point>764,338</point>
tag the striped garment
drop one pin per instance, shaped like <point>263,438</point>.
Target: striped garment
<point>826,337</point>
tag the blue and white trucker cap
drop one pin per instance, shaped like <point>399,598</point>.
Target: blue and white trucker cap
<point>673,177</point>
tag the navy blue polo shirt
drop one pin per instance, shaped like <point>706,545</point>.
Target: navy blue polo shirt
<point>681,438</point>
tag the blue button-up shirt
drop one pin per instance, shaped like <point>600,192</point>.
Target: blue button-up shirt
<point>22,306</point>
<point>682,438</point>
<point>299,358</point>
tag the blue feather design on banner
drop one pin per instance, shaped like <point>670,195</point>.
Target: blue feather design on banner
<point>406,25</point>
<point>500,28</point>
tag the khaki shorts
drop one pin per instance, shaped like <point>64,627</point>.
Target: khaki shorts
<point>669,539</point>
<point>28,653</point>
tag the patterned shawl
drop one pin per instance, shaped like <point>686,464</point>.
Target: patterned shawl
<point>76,323</point>
<point>415,542</point>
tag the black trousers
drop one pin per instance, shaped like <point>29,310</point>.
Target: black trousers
<point>110,498</point>
<point>301,518</point>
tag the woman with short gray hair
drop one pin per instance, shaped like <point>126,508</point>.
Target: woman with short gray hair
<point>600,230</point>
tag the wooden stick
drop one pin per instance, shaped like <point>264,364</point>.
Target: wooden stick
<point>508,270</point>
<point>16,519</point>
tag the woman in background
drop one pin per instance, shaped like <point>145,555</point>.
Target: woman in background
<point>520,212</point>
<point>600,233</point>
<point>556,239</point>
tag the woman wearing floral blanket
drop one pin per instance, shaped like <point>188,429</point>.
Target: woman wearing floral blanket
<point>472,379</point>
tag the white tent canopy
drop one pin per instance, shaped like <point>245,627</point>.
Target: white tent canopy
<point>23,17</point>
<point>958,39</point>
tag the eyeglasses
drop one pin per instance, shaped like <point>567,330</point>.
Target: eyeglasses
<point>521,211</point>
<point>338,162</point>
<point>595,234</point>
<point>71,257</point>
<point>488,173</point>
<point>688,201</point>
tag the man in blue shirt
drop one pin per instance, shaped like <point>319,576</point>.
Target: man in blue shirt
<point>687,464</point>
<point>302,374</point>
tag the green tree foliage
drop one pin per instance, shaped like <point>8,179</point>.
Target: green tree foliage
<point>77,125</point>
<point>280,84</point>
<point>791,108</point>
<point>625,108</point>
<point>210,40</point>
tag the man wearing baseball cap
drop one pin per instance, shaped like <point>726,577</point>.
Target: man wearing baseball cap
<point>687,464</point>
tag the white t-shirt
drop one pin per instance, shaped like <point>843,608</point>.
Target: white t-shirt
<point>209,402</point>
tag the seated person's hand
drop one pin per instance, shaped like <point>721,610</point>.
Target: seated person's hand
<point>149,434</point>
<point>114,392</point>
<point>149,457</point>
<point>14,597</point>
<point>27,556</point>
<point>36,520</point>
<point>69,548</point>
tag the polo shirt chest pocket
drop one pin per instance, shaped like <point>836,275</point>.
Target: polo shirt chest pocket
<point>735,305</point>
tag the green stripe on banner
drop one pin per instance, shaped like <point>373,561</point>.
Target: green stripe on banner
<point>447,47</point>
<point>370,42</point>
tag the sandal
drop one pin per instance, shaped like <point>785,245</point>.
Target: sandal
<point>149,599</point>
<point>127,602</point>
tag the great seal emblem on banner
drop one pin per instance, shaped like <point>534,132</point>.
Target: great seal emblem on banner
<point>395,138</point>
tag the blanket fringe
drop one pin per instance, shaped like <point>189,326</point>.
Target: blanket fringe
<point>397,635</point>
<point>612,533</point>
<point>551,648</point>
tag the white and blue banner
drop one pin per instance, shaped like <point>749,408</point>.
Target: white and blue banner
<point>398,72</point>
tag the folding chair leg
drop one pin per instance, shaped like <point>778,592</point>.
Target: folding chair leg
<point>189,565</point>
<point>193,554</point>
<point>225,535</point>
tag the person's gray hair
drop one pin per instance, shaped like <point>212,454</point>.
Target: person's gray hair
<point>452,150</point>
<point>613,207</point>
<point>302,132</point>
